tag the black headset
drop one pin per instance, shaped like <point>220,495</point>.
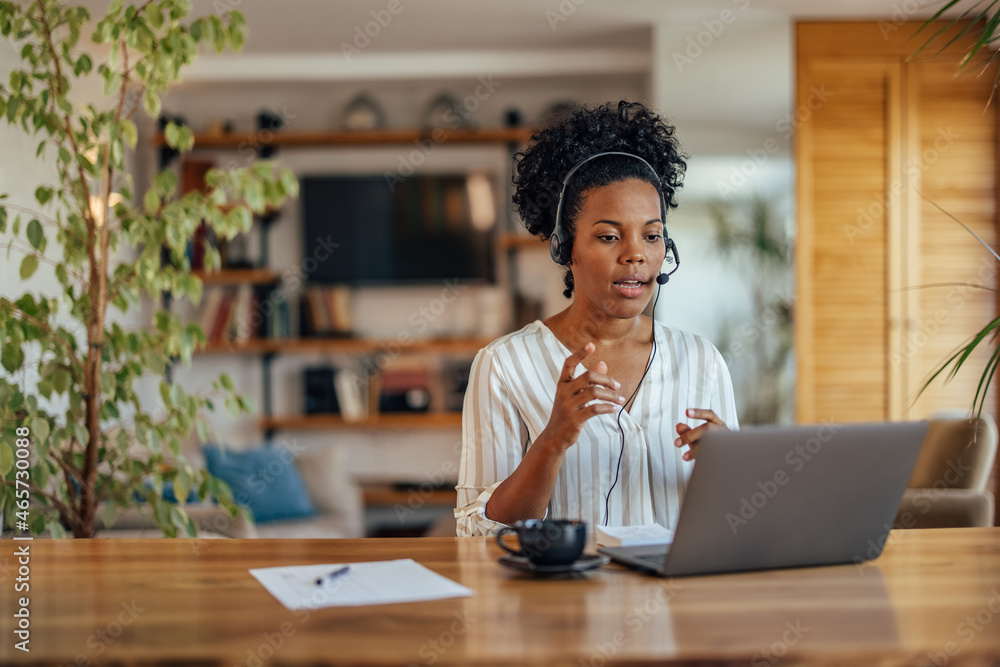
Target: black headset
<point>560,250</point>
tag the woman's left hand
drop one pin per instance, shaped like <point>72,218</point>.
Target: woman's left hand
<point>690,436</point>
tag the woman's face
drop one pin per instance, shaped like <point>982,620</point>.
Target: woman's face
<point>618,247</point>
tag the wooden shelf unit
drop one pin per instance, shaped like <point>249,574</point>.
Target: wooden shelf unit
<point>358,138</point>
<point>268,349</point>
<point>408,421</point>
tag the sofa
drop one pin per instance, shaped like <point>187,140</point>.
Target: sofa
<point>292,493</point>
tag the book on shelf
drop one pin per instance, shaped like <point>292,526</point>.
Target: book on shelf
<point>326,311</point>
<point>244,312</point>
<point>351,396</point>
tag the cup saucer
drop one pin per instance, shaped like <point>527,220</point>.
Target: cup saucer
<point>582,564</point>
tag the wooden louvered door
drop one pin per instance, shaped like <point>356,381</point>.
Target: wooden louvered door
<point>878,139</point>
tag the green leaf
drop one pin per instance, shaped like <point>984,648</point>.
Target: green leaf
<point>165,183</point>
<point>151,201</point>
<point>130,133</point>
<point>165,393</point>
<point>6,457</point>
<point>110,514</point>
<point>154,362</point>
<point>227,382</point>
<point>151,103</point>
<point>83,65</point>
<point>12,105</point>
<point>185,138</point>
<point>12,357</point>
<point>289,182</point>
<point>36,237</point>
<point>28,266</point>
<point>176,394</point>
<point>236,39</point>
<point>155,16</point>
<point>43,194</point>
<point>3,220</point>
<point>60,380</point>
<point>182,486</point>
<point>112,83</point>
<point>172,134</point>
<point>40,428</point>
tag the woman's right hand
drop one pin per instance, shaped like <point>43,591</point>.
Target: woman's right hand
<point>570,409</point>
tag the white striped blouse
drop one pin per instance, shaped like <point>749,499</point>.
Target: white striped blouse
<point>510,397</point>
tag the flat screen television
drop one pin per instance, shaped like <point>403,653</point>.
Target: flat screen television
<point>420,229</point>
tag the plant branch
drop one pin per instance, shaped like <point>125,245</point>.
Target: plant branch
<point>85,192</point>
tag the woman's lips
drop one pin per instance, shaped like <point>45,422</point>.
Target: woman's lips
<point>630,288</point>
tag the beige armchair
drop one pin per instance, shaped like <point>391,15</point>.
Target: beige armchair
<point>948,486</point>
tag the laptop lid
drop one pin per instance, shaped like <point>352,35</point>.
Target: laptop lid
<point>790,496</point>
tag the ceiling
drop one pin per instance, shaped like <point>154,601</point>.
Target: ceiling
<point>321,25</point>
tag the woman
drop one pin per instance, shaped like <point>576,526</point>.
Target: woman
<point>596,412</point>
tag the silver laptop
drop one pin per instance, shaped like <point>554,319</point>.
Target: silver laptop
<point>786,496</point>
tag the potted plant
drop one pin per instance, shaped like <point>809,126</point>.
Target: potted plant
<point>82,439</point>
<point>982,22</point>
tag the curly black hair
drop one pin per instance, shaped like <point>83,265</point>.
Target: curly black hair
<point>553,151</point>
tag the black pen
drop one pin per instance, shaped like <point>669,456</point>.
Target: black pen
<point>332,575</point>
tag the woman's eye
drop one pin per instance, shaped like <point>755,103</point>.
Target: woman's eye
<point>654,237</point>
<point>608,237</point>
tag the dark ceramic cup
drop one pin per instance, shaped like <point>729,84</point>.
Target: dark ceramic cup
<point>547,541</point>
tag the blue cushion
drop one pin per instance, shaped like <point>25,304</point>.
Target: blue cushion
<point>265,480</point>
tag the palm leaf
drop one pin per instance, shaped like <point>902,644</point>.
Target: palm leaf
<point>947,26</point>
<point>984,381</point>
<point>984,24</point>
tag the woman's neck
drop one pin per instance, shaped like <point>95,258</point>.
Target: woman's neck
<point>578,325</point>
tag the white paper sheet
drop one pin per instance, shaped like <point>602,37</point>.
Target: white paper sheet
<point>378,582</point>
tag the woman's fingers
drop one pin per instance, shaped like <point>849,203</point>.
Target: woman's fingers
<point>689,436</point>
<point>572,360</point>
<point>707,415</point>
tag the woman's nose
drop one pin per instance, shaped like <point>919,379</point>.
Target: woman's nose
<point>633,252</point>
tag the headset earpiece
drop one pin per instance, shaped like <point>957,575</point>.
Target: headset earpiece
<point>556,248</point>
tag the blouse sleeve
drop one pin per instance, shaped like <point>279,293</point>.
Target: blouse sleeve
<point>493,434</point>
<point>723,401</point>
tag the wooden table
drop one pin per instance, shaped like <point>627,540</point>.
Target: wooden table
<point>932,598</point>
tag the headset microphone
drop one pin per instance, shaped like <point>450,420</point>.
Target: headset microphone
<point>662,278</point>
